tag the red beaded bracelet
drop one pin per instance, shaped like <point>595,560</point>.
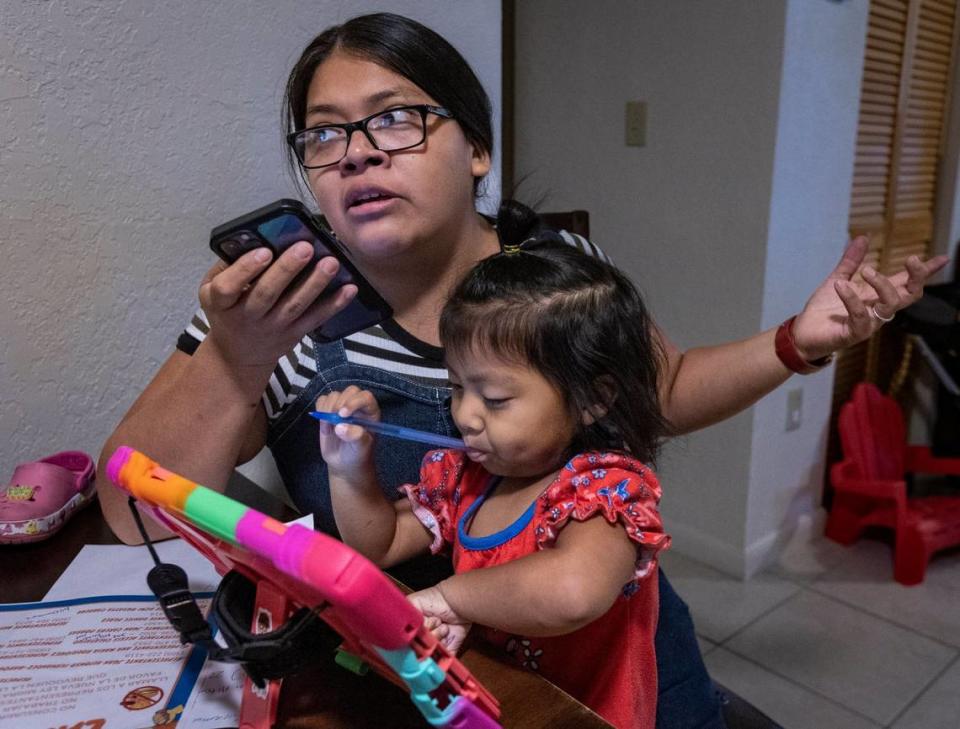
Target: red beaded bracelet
<point>786,350</point>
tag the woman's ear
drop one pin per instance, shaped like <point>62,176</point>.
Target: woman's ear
<point>479,162</point>
<point>605,390</point>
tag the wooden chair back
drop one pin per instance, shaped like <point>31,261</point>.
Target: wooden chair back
<point>575,221</point>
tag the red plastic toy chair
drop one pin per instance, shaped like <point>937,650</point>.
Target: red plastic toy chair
<point>869,486</point>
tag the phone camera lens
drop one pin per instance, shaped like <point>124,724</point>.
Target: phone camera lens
<point>238,244</point>
<point>232,247</point>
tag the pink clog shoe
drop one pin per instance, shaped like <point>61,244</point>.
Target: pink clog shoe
<point>43,494</point>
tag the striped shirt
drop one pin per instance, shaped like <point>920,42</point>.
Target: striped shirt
<point>386,346</point>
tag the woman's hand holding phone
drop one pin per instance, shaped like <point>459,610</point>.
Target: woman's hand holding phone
<point>265,307</point>
<point>255,314</point>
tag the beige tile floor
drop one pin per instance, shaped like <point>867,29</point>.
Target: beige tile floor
<point>827,640</point>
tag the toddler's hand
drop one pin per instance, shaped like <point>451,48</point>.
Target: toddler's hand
<point>346,447</point>
<point>448,627</point>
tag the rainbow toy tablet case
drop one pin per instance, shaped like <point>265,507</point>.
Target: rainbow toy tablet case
<point>293,567</point>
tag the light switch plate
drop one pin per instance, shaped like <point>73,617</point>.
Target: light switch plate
<point>636,124</point>
<point>794,409</point>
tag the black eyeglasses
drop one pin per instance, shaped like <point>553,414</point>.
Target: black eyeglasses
<point>389,131</point>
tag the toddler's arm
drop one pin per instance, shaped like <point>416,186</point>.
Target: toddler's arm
<point>384,532</point>
<point>551,592</point>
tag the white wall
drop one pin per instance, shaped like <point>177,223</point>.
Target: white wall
<point>128,129</point>
<point>728,218</point>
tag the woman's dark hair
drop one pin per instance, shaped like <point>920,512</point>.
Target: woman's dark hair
<point>409,49</point>
<point>574,318</point>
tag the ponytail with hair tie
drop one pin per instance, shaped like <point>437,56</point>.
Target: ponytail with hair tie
<point>516,223</point>
<point>519,226</point>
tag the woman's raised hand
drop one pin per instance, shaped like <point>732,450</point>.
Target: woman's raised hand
<point>842,313</point>
<point>254,321</point>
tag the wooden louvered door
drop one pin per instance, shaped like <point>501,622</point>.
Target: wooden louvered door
<point>903,101</point>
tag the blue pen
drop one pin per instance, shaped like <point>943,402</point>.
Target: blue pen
<point>394,431</point>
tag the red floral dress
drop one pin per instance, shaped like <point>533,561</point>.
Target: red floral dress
<point>609,665</point>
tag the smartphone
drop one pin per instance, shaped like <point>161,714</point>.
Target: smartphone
<point>281,224</point>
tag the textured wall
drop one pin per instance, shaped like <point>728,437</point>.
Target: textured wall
<point>127,130</point>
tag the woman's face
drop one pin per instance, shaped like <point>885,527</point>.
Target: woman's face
<point>383,204</point>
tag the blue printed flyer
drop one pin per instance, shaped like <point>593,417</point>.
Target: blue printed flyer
<point>109,661</point>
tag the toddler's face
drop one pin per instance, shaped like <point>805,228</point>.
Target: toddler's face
<point>513,420</point>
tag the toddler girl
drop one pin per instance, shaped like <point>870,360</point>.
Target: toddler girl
<point>550,512</point>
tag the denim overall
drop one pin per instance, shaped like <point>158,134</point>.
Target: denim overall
<point>686,697</point>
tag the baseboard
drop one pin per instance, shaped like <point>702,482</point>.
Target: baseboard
<point>744,563</point>
<point>694,543</point>
<point>768,549</point>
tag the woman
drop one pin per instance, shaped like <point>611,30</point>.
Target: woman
<point>408,218</point>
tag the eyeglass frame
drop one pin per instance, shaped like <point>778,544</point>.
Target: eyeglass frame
<point>361,125</point>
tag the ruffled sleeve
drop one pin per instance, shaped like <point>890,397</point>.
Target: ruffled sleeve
<point>436,498</point>
<point>611,485</point>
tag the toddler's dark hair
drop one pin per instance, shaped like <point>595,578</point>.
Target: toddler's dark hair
<point>575,319</point>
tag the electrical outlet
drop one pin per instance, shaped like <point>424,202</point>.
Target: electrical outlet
<point>636,124</point>
<point>794,409</point>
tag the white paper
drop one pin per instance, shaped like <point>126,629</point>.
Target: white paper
<point>116,569</point>
<point>215,702</point>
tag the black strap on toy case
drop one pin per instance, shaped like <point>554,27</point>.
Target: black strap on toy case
<point>264,656</point>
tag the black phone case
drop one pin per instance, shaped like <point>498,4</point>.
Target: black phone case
<point>281,224</point>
